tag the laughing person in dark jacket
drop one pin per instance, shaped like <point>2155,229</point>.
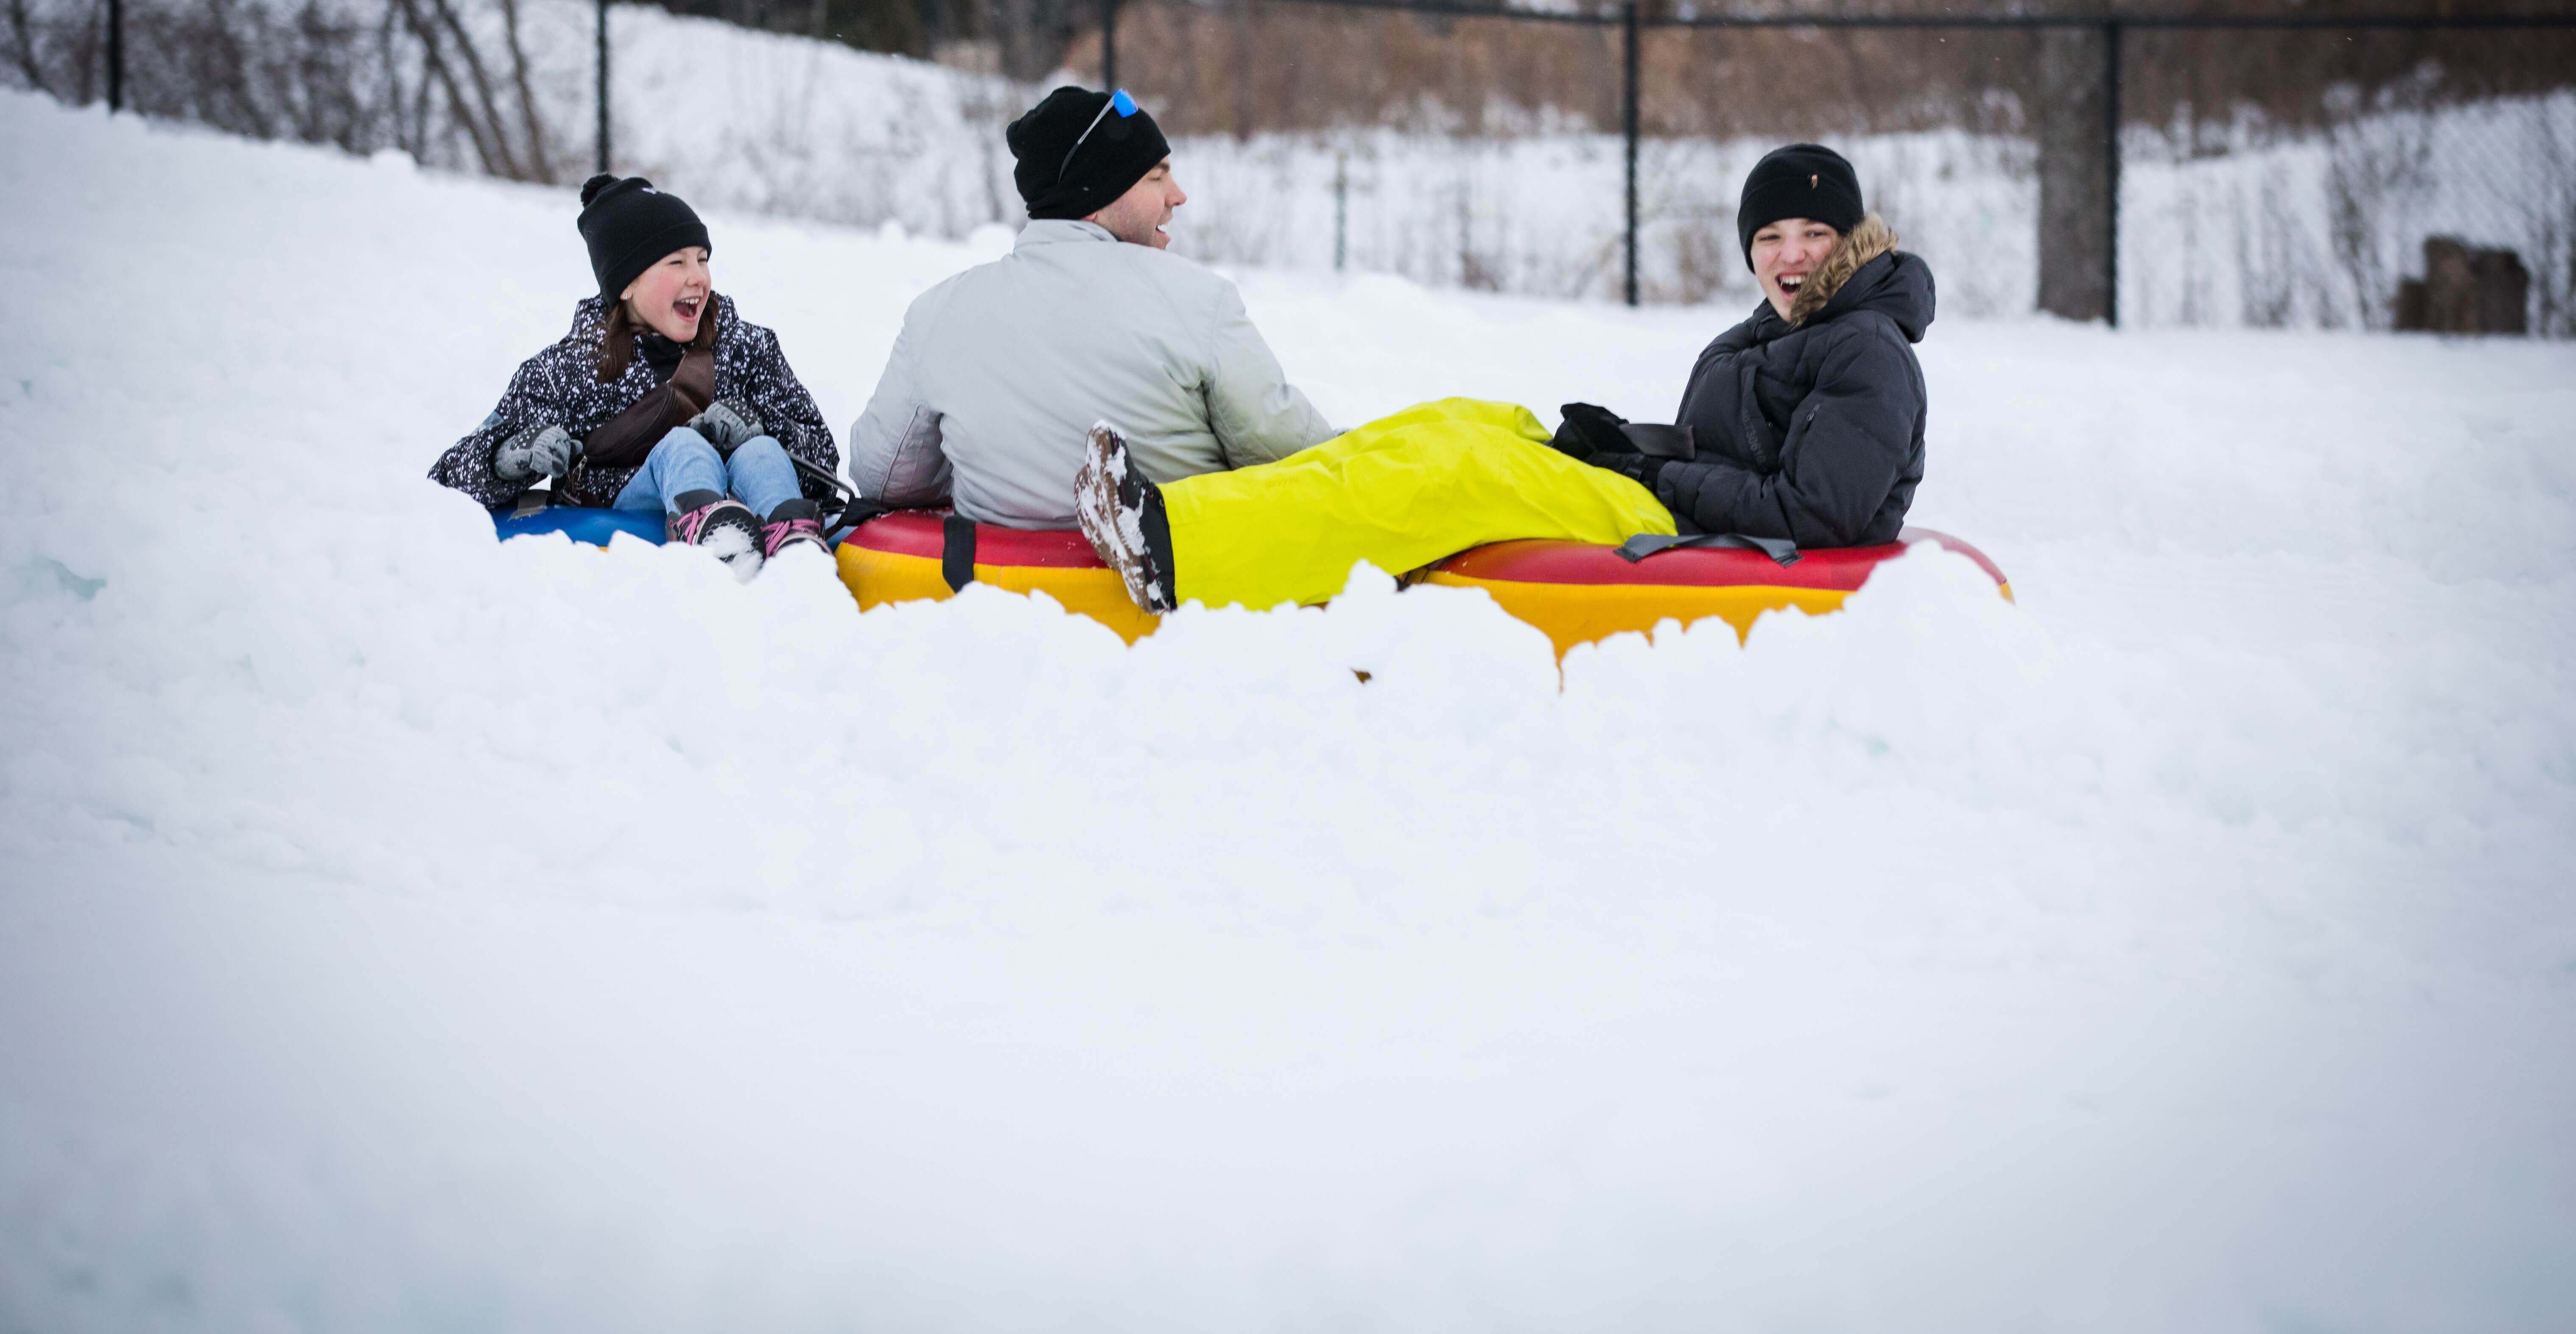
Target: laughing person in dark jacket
<point>1807,418</point>
<point>660,398</point>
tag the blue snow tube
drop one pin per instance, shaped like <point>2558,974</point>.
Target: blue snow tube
<point>581,524</point>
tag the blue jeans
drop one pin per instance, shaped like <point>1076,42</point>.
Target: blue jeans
<point>758,474</point>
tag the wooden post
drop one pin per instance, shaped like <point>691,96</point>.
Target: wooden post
<point>2075,193</point>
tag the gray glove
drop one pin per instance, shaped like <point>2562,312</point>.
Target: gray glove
<point>727,425</point>
<point>539,451</point>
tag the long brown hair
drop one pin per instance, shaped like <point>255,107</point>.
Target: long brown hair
<point>617,341</point>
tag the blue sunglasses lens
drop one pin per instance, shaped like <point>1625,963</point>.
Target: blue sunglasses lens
<point>1121,103</point>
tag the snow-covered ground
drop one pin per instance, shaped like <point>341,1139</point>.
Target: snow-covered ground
<point>402,930</point>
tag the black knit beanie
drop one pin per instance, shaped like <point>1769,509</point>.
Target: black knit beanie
<point>629,226</point>
<point>1799,181</point>
<point>1120,150</point>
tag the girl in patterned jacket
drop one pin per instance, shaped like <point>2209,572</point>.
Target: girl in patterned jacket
<point>724,480</point>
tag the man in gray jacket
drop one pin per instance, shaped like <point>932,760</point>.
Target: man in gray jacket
<point>1000,371</point>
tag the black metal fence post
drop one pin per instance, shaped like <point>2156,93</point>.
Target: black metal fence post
<point>1628,128</point>
<point>2111,166</point>
<point>116,55</point>
<point>603,85</point>
<point>1109,44</point>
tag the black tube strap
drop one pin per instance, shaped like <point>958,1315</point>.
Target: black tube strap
<point>957,552</point>
<point>1780,549</point>
<point>819,475</point>
<point>853,513</point>
<point>1662,442</point>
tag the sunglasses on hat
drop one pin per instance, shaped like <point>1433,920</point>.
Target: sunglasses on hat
<point>1119,102</point>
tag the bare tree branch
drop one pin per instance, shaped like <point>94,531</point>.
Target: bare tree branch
<point>434,60</point>
<point>230,75</point>
<point>485,102</point>
<point>527,100</point>
<point>23,45</point>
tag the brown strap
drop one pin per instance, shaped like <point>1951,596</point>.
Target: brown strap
<point>630,435</point>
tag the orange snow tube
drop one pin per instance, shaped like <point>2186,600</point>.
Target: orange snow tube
<point>1574,592</point>
<point>911,555</point>
<point>1578,593</point>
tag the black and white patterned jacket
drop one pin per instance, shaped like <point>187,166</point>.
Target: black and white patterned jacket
<point>560,387</point>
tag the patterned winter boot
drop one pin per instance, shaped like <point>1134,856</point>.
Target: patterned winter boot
<point>793,523</point>
<point>1121,514</point>
<point>721,524</point>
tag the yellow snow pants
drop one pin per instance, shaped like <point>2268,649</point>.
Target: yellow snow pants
<point>1400,493</point>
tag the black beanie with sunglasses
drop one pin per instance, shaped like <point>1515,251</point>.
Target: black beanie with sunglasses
<point>1799,181</point>
<point>629,226</point>
<point>1059,180</point>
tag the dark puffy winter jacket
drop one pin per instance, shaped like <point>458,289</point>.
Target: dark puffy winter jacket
<point>560,387</point>
<point>1813,431</point>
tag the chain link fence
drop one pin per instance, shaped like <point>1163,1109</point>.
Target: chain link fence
<point>2239,167</point>
<point>2366,171</point>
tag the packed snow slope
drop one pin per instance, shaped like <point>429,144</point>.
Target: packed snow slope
<point>406,931</point>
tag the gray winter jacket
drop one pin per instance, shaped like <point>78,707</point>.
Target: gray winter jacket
<point>1000,372</point>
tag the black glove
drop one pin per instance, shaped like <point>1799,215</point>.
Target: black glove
<point>1637,468</point>
<point>1590,429</point>
<point>539,451</point>
<point>727,425</point>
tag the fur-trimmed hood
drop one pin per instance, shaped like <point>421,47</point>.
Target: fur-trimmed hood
<point>1871,239</point>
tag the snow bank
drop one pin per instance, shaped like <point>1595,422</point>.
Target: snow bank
<point>404,930</point>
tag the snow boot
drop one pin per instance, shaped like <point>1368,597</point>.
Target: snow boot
<point>793,523</point>
<point>1122,516</point>
<point>721,524</point>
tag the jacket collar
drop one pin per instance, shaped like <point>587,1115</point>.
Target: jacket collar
<point>1054,231</point>
<point>1897,284</point>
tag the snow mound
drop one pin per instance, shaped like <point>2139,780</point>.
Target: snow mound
<point>408,930</point>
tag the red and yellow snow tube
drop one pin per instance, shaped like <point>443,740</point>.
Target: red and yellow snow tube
<point>1579,593</point>
<point>1574,592</point>
<point>900,557</point>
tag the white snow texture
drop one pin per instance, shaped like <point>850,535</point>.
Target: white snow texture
<point>407,931</point>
